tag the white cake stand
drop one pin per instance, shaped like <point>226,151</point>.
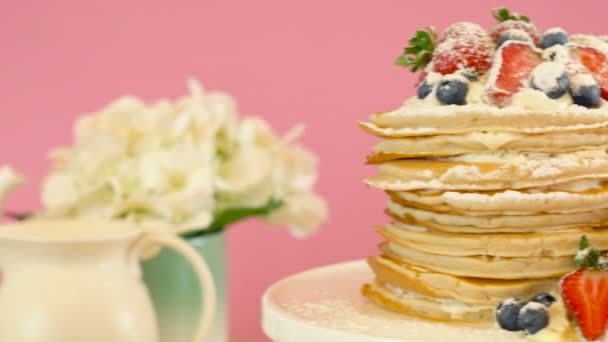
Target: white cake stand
<point>325,305</point>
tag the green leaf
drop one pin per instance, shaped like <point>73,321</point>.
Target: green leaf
<point>583,243</point>
<point>588,256</point>
<point>232,215</point>
<point>502,14</point>
<point>418,54</point>
<point>402,61</point>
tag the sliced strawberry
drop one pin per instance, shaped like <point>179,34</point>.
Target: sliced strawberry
<point>469,49</point>
<point>504,26</point>
<point>585,292</point>
<point>512,67</point>
<point>597,63</point>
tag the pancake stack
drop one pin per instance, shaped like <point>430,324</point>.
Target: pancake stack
<point>494,171</point>
<point>486,203</point>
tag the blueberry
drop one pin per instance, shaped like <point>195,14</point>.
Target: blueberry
<point>551,78</point>
<point>507,314</point>
<point>424,89</point>
<point>513,34</point>
<point>533,317</point>
<point>543,298</point>
<point>452,90</point>
<point>587,96</point>
<point>554,36</point>
<point>585,90</point>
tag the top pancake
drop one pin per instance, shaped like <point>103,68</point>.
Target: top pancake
<point>423,121</point>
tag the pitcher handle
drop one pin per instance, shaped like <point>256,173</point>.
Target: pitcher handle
<point>152,240</point>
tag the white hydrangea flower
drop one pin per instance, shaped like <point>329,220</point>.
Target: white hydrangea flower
<point>181,163</point>
<point>303,212</point>
<point>9,180</point>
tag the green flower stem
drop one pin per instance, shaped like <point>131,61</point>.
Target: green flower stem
<point>232,215</point>
<point>220,221</point>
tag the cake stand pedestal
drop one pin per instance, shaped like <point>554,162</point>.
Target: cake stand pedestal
<point>325,305</point>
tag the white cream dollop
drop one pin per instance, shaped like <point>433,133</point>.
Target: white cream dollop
<point>529,98</point>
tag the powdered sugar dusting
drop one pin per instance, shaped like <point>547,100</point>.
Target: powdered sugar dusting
<point>517,34</point>
<point>557,53</point>
<point>294,312</point>
<point>546,75</point>
<point>586,40</point>
<point>508,196</point>
<point>342,315</point>
<point>463,44</point>
<point>580,80</point>
<point>533,306</point>
<point>555,30</point>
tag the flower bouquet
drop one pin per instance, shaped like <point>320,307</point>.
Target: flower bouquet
<point>191,166</point>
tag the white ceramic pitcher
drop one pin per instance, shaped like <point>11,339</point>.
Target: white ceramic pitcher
<point>76,281</point>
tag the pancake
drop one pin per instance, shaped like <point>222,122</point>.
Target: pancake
<point>491,171</point>
<point>543,205</point>
<point>424,121</point>
<point>486,267</point>
<point>501,245</point>
<point>466,290</point>
<point>408,220</point>
<point>483,142</point>
<point>427,307</point>
<point>449,222</point>
<point>562,198</point>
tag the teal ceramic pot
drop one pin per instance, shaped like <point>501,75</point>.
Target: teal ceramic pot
<point>176,294</point>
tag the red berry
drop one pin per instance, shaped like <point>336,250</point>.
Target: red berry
<point>464,47</point>
<point>597,63</point>
<point>512,67</point>
<point>585,293</point>
<point>421,78</point>
<point>463,29</point>
<point>504,26</point>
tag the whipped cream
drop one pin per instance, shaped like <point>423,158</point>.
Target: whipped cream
<point>493,140</point>
<point>526,98</point>
<point>454,307</point>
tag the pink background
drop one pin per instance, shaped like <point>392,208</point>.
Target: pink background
<point>323,63</point>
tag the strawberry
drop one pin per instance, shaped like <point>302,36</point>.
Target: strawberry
<point>504,26</point>
<point>597,63</point>
<point>463,46</point>
<point>512,67</point>
<point>585,292</point>
<point>463,29</point>
<point>421,78</point>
